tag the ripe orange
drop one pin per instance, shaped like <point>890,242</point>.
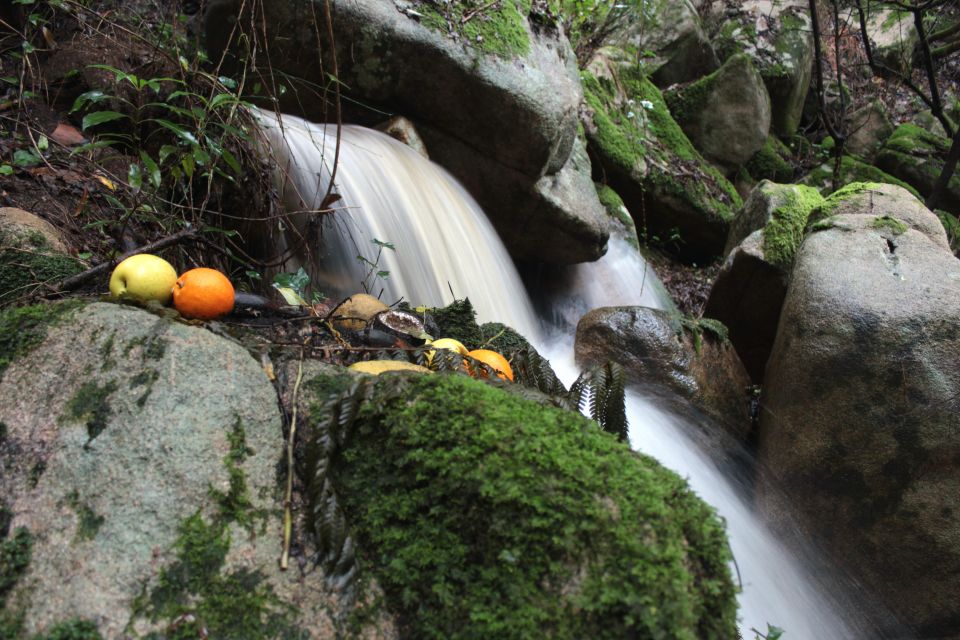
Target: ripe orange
<point>493,359</point>
<point>203,293</point>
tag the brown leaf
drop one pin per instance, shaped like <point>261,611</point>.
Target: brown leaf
<point>67,135</point>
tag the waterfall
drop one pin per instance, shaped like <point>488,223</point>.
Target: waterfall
<point>444,241</point>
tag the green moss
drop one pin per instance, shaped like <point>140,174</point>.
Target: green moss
<point>852,170</point>
<point>238,604</point>
<point>146,379</point>
<point>90,405</point>
<point>619,138</point>
<point>687,102</point>
<point>771,162</point>
<point>911,139</point>
<point>88,521</point>
<point>235,504</point>
<point>72,630</point>
<point>24,329</point>
<point>502,339</point>
<point>484,515</point>
<point>496,28</point>
<point>27,261</point>
<point>889,222</point>
<point>36,472</point>
<point>458,320</point>
<point>15,554</point>
<point>784,232</point>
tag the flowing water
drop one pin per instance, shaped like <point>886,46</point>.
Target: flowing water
<point>444,242</point>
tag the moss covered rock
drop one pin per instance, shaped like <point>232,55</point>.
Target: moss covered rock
<point>916,156</point>
<point>852,169</point>
<point>673,193</point>
<point>771,162</point>
<point>726,115</point>
<point>485,515</point>
<point>31,255</point>
<point>139,455</point>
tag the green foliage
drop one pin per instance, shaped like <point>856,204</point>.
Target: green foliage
<point>374,272</point>
<point>24,329</point>
<point>602,389</point>
<point>295,288</point>
<point>852,170</point>
<point>952,226</point>
<point>696,327</point>
<point>484,515</point>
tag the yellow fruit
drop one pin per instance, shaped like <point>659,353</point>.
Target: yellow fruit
<point>445,343</point>
<point>143,277</point>
<point>492,359</point>
<point>376,367</point>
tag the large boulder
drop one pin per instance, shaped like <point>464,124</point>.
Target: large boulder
<point>777,35</point>
<point>781,211</point>
<point>893,36</point>
<point>138,469</point>
<point>826,179</point>
<point>500,82</point>
<point>484,514</point>
<point>677,198</point>
<point>726,115</point>
<point>917,156</point>
<point>32,254</point>
<point>860,426</point>
<point>682,360</point>
<point>870,126</point>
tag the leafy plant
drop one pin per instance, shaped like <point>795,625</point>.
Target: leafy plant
<point>697,326</point>
<point>773,633</point>
<point>374,270</point>
<point>601,389</point>
<point>294,287</point>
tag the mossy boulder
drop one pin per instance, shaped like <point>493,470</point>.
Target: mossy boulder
<point>726,115</point>
<point>675,196</point>
<point>139,454</point>
<point>781,212</point>
<point>771,162</point>
<point>893,35</point>
<point>859,426</point>
<point>852,170</point>
<point>916,156</point>
<point>777,35</point>
<point>870,126</point>
<point>624,226</point>
<point>482,514</point>
<point>32,254</point>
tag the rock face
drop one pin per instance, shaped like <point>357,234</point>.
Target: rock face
<point>781,211</point>
<point>32,254</point>
<point>502,86</point>
<point>726,115</point>
<point>664,356</point>
<point>916,156</point>
<point>139,456</point>
<point>861,427</point>
<point>484,514</point>
<point>894,37</point>
<point>777,35</point>
<point>870,126</point>
<point>677,199</point>
<point>747,296</point>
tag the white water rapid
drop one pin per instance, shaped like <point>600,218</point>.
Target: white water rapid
<point>441,236</point>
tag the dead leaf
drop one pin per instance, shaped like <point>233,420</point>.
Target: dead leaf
<point>107,182</point>
<point>67,135</point>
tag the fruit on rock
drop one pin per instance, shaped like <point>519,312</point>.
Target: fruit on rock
<point>492,359</point>
<point>203,294</point>
<point>445,343</point>
<point>376,367</point>
<point>143,277</point>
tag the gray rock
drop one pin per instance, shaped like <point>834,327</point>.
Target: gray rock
<point>860,402</point>
<point>893,36</point>
<point>134,443</point>
<point>777,34</point>
<point>32,254</point>
<point>747,296</point>
<point>726,115</point>
<point>661,356</point>
<point>789,204</point>
<point>917,156</point>
<point>870,126</point>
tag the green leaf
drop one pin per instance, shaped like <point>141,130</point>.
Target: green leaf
<point>166,151</point>
<point>152,169</point>
<point>24,1</point>
<point>89,97</point>
<point>229,83</point>
<point>43,143</point>
<point>253,275</point>
<point>201,156</point>
<point>5,170</point>
<point>188,165</point>
<point>298,281</point>
<point>231,161</point>
<point>99,117</point>
<point>384,244</point>
<point>28,46</point>
<point>135,176</point>
<point>220,98</point>
<point>177,129</point>
<point>290,296</point>
<point>26,158</point>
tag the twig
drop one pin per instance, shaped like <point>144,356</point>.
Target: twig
<point>470,14</point>
<point>288,497</point>
<point>76,280</point>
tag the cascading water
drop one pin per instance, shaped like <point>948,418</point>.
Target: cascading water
<point>391,193</point>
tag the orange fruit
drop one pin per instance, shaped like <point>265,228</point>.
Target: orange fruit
<point>494,360</point>
<point>203,293</point>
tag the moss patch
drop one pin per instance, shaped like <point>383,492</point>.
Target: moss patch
<point>90,405</point>
<point>458,320</point>
<point>889,222</point>
<point>27,261</point>
<point>771,162</point>
<point>88,521</point>
<point>72,630</point>
<point>23,329</point>
<point>485,515</point>
<point>852,170</point>
<point>497,28</point>
<point>15,554</point>
<point>784,233</point>
<point>235,504</point>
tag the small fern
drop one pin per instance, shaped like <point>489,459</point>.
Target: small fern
<point>602,390</point>
<point>696,327</point>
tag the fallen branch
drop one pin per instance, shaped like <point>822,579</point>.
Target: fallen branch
<point>68,284</point>
<point>288,495</point>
